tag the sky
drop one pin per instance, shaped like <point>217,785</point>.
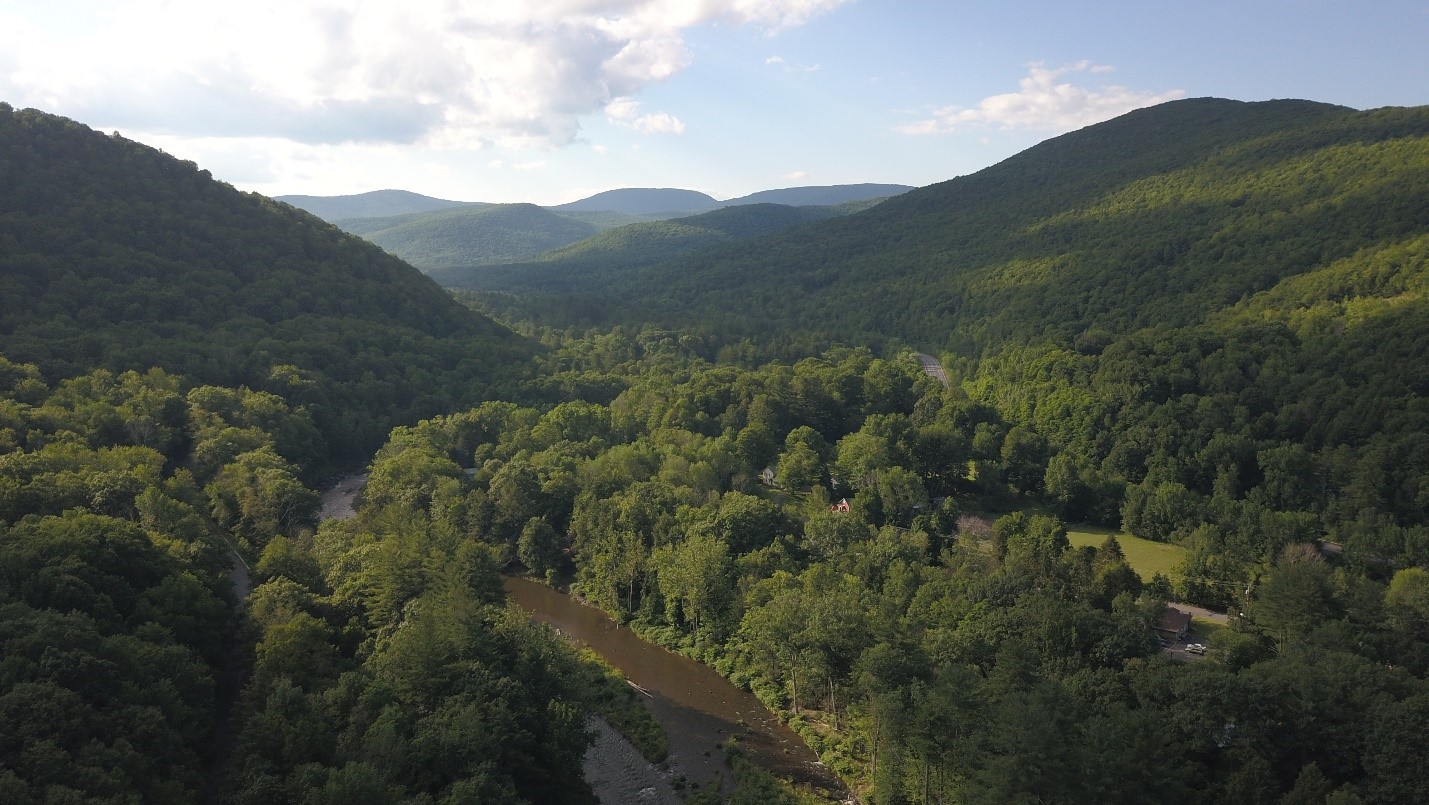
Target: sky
<point>549,101</point>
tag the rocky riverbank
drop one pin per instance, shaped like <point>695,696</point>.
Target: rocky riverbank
<point>619,775</point>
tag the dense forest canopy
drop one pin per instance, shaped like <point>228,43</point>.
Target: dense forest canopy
<point>115,255</point>
<point>125,502</point>
<point>930,654</point>
<point>1202,324</point>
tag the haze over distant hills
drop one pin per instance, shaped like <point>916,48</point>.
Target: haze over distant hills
<point>436,234</point>
<point>640,244</point>
<point>821,196</point>
<point>644,201</point>
<point>633,201</point>
<point>471,235</point>
<point>371,204</point>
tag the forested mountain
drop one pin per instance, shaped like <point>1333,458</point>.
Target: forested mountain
<point>822,196</point>
<point>114,255</point>
<point>642,201</point>
<point>133,498</point>
<point>640,244</point>
<point>606,219</point>
<point>1161,216</point>
<point>652,201</point>
<point>437,235</point>
<point>373,204</point>
<point>471,235</point>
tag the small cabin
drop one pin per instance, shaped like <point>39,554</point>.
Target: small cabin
<point>841,507</point>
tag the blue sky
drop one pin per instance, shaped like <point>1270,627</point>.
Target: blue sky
<point>553,100</point>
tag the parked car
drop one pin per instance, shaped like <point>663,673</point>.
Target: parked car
<point>1196,648</point>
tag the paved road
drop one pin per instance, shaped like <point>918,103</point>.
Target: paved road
<point>933,368</point>
<point>1200,612</point>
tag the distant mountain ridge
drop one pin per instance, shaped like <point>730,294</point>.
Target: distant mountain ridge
<point>1163,216</point>
<point>472,235</point>
<point>371,204</point>
<point>641,244</point>
<point>643,201</point>
<point>827,195</point>
<point>629,201</point>
<point>435,234</point>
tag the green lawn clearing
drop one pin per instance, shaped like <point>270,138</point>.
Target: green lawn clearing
<point>1203,629</point>
<point>1147,558</point>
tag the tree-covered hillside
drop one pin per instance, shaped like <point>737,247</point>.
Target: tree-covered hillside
<point>472,235</point>
<point>824,196</point>
<point>643,201</point>
<point>115,255</point>
<point>374,204</point>
<point>638,244</point>
<point>1161,216</point>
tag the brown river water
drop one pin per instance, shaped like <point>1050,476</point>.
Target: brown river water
<point>698,708</point>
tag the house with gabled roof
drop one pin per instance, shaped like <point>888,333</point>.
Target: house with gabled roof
<point>1173,625</point>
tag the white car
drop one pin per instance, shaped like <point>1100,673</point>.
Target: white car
<point>1196,648</point>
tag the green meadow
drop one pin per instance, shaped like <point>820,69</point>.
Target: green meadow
<point>1147,558</point>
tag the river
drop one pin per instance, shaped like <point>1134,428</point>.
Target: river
<point>339,502</point>
<point>698,708</point>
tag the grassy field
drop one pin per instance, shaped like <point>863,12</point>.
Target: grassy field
<point>1147,558</point>
<point>1202,628</point>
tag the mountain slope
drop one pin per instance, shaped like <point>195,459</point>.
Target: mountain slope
<point>820,195</point>
<point>376,203</point>
<point>643,201</point>
<point>471,236</point>
<point>1161,216</point>
<point>114,255</point>
<point>636,245</point>
<point>435,234</point>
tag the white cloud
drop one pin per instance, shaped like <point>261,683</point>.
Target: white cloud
<point>253,162</point>
<point>779,61</point>
<point>626,112</point>
<point>1043,101</point>
<point>660,123</point>
<point>464,73</point>
<point>795,176</point>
